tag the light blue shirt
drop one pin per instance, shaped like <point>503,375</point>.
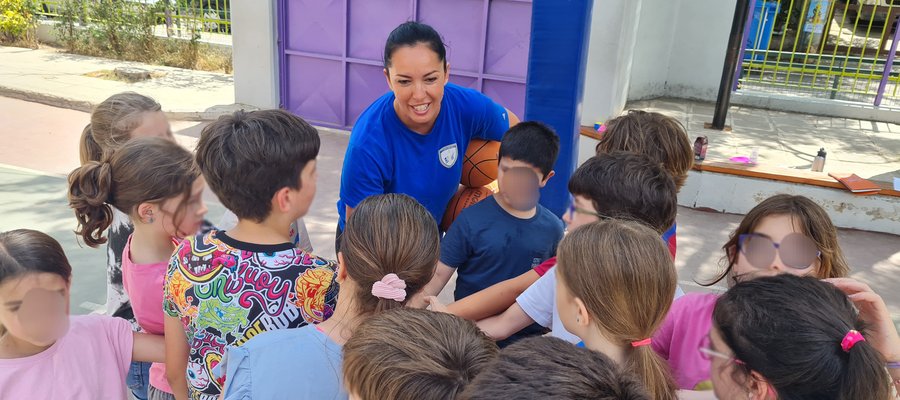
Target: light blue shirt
<point>301,363</point>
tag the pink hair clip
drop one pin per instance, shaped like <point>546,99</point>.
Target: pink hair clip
<point>639,343</point>
<point>390,287</point>
<point>851,339</point>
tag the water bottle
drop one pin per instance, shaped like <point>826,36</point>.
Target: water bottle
<point>818,164</point>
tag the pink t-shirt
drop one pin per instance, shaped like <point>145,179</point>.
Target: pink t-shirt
<point>90,362</point>
<point>144,285</point>
<point>682,333</point>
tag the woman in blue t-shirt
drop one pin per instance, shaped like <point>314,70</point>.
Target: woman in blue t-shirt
<point>411,140</point>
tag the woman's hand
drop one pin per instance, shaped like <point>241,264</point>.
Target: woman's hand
<point>873,311</point>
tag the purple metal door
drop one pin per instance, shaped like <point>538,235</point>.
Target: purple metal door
<point>331,51</point>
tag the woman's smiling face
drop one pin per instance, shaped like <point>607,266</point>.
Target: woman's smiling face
<point>417,77</point>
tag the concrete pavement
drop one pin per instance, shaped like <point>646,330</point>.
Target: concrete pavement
<point>57,78</point>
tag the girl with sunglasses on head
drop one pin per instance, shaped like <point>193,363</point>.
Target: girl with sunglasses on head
<point>782,234</point>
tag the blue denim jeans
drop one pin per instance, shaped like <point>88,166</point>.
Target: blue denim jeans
<point>138,379</point>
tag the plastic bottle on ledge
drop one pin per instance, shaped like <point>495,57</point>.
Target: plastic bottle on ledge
<point>818,164</point>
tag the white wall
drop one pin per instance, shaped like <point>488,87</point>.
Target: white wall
<point>255,50</point>
<point>698,49</point>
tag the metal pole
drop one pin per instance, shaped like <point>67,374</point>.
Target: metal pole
<point>888,64</point>
<point>731,60</point>
<point>746,35</point>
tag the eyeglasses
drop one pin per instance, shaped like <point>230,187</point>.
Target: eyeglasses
<point>573,210</point>
<point>709,353</point>
<point>796,250</point>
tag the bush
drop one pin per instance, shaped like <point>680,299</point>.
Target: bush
<point>17,21</point>
<point>125,30</point>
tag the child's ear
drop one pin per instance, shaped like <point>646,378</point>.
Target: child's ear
<point>547,178</point>
<point>584,318</point>
<point>759,387</point>
<point>147,213</point>
<point>281,200</point>
<point>340,270</point>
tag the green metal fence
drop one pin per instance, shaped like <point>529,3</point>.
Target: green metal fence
<point>837,49</point>
<point>176,18</point>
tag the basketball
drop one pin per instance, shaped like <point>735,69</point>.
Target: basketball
<point>480,164</point>
<point>463,198</point>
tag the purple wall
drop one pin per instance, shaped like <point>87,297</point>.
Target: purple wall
<point>331,67</point>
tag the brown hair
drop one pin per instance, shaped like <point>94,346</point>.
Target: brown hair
<point>112,122</point>
<point>412,354</point>
<point>246,157</point>
<point>538,368</point>
<point>143,170</point>
<point>658,136</point>
<point>624,274</point>
<point>814,223</point>
<point>389,233</point>
<point>26,251</point>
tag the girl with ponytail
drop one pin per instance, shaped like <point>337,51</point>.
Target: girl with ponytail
<point>614,286</point>
<point>790,337</point>
<point>388,254</point>
<point>156,183</point>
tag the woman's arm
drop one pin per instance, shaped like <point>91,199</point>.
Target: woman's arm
<point>177,353</point>
<point>493,300</point>
<point>513,118</point>
<point>148,348</point>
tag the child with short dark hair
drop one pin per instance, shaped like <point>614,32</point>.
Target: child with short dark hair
<point>412,354</point>
<point>618,185</point>
<point>541,368</point>
<point>223,288</point>
<point>659,137</point>
<point>508,233</point>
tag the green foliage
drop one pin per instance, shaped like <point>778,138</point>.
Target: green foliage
<point>17,20</point>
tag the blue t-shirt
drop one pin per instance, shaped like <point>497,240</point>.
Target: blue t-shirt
<point>301,363</point>
<point>384,156</point>
<point>487,245</point>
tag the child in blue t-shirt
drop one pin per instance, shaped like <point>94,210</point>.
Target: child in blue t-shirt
<point>508,233</point>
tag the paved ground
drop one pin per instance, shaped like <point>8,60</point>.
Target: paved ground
<point>36,156</point>
<point>56,78</point>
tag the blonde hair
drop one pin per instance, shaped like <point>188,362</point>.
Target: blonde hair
<point>624,274</point>
<point>112,122</point>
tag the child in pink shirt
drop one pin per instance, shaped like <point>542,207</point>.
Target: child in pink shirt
<point>44,352</point>
<point>158,184</point>
<point>782,234</point>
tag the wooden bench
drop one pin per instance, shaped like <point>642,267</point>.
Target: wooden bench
<point>767,172</point>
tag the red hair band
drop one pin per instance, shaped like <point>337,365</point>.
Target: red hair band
<point>639,343</point>
<point>851,339</point>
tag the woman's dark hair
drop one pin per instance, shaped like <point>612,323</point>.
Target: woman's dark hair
<point>25,251</point>
<point>389,234</point>
<point>143,170</point>
<point>411,33</point>
<point>789,329</point>
<point>814,223</point>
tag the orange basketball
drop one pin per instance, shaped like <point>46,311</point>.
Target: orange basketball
<point>463,198</point>
<point>480,163</point>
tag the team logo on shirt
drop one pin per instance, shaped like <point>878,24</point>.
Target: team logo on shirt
<point>448,155</point>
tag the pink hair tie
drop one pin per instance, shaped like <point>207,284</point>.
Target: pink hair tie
<point>639,343</point>
<point>851,339</point>
<point>390,287</point>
